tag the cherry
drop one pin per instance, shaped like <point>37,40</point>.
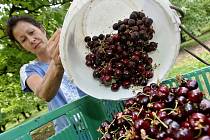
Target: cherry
<point>204,138</point>
<point>96,74</point>
<point>125,21</point>
<point>195,96</point>
<point>143,100</point>
<point>107,136</point>
<point>169,100</point>
<point>146,89</point>
<point>182,91</point>
<point>188,109</point>
<point>122,28</point>
<point>101,36</point>
<point>115,37</point>
<point>133,16</point>
<point>117,73</point>
<point>87,38</point>
<point>126,74</point>
<point>205,106</point>
<point>107,80</point>
<point>104,126</point>
<point>122,132</point>
<point>141,124</point>
<point>149,74</point>
<point>162,115</point>
<point>131,22</point>
<point>129,102</point>
<point>115,87</point>
<point>161,135</point>
<point>153,132</point>
<point>197,119</point>
<point>163,91</point>
<point>181,100</point>
<point>174,90</point>
<point>126,84</point>
<point>192,84</point>
<point>94,38</point>
<point>185,124</point>
<point>135,115</point>
<point>158,105</point>
<point>183,134</point>
<point>172,127</point>
<point>115,26</point>
<point>139,22</point>
<point>148,22</point>
<point>144,82</point>
<point>154,86</point>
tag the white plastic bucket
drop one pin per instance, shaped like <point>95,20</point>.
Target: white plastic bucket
<point>92,17</point>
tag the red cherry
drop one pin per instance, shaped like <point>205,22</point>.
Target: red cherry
<point>115,87</point>
<point>192,84</point>
<point>195,96</point>
<point>126,84</point>
<point>182,91</point>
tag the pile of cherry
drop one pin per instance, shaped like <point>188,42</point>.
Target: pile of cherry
<point>122,59</point>
<point>162,113</point>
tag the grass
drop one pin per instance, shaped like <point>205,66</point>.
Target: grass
<point>188,64</point>
<point>34,115</point>
<point>192,42</point>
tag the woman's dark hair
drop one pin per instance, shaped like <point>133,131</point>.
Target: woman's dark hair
<point>12,22</point>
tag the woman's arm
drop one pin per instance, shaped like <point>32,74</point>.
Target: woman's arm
<point>47,87</point>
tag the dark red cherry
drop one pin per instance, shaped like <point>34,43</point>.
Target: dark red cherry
<point>183,134</point>
<point>192,84</point>
<point>126,84</point>
<point>197,120</point>
<point>182,91</point>
<point>115,87</point>
<point>195,96</point>
<point>204,138</point>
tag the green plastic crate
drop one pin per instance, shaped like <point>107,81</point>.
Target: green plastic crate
<point>86,114</point>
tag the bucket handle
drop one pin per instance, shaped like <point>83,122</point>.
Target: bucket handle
<point>191,35</point>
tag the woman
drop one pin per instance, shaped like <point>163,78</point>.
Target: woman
<point>44,76</point>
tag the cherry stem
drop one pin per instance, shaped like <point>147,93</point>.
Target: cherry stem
<point>115,130</point>
<point>111,123</point>
<point>156,117</point>
<point>121,137</point>
<point>99,130</point>
<point>199,133</point>
<point>165,109</point>
<point>128,120</point>
<point>148,119</point>
<point>176,104</point>
<point>148,138</point>
<point>140,110</point>
<point>133,108</point>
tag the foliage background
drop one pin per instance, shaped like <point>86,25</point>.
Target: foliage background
<point>15,106</point>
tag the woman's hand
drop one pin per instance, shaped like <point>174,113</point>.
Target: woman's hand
<point>53,48</point>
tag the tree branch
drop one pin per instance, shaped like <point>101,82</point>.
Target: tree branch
<point>14,8</point>
<point>53,4</point>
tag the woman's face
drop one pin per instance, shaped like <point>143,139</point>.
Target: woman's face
<point>30,37</point>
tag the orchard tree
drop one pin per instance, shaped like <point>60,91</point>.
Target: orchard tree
<point>14,104</point>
